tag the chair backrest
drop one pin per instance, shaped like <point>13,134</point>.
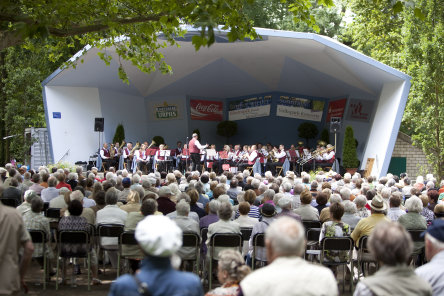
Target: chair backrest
<point>204,233</point>
<point>313,234</point>
<point>10,202</point>
<point>416,235</point>
<point>363,243</point>
<point>259,240</point>
<point>344,244</point>
<point>74,237</point>
<point>246,233</point>
<point>110,230</point>
<point>53,213</point>
<point>190,239</point>
<point>45,206</point>
<point>128,238</point>
<point>37,236</point>
<point>227,240</point>
<point>308,224</point>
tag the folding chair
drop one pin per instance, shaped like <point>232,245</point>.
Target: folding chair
<point>246,234</point>
<point>224,240</point>
<point>309,224</point>
<point>312,248</point>
<point>53,213</point>
<point>74,237</point>
<point>10,202</point>
<point>365,258</point>
<point>109,230</point>
<point>340,244</point>
<point>258,241</point>
<point>126,238</point>
<point>192,239</point>
<point>39,237</point>
<point>416,237</point>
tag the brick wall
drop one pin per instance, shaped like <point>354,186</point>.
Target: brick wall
<point>416,160</point>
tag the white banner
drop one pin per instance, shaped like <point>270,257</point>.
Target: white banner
<point>249,108</point>
<point>300,108</point>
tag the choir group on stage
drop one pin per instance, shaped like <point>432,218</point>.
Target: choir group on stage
<point>194,156</point>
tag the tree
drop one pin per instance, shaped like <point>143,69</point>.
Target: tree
<point>307,130</point>
<point>119,135</point>
<point>227,129</point>
<point>136,29</point>
<point>349,158</point>
<point>325,136</point>
<point>158,140</point>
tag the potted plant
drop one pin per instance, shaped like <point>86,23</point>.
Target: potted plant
<point>307,131</point>
<point>119,135</point>
<point>349,159</point>
<point>227,129</point>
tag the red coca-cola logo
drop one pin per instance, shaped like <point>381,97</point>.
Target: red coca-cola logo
<point>212,108</point>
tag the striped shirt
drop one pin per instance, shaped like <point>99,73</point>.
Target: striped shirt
<point>254,212</point>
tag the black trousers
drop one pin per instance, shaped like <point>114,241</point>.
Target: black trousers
<point>195,161</point>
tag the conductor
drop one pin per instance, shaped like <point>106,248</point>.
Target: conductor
<point>194,147</point>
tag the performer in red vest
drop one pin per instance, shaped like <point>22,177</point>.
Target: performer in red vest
<point>194,146</point>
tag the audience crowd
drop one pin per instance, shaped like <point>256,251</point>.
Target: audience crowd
<point>160,207</point>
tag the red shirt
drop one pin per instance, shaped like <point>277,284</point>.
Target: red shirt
<point>63,184</point>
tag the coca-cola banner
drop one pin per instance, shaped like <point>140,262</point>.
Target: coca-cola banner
<point>206,110</point>
<point>249,108</point>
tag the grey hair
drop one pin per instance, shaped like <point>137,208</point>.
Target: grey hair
<point>277,197</point>
<point>213,206</point>
<point>391,183</point>
<point>360,201</point>
<point>286,236</point>
<point>233,262</point>
<point>182,208</point>
<point>386,192</point>
<point>269,193</point>
<point>184,196</point>
<point>335,198</point>
<point>72,176</point>
<point>225,211</point>
<point>30,195</point>
<point>262,187</point>
<point>255,183</point>
<point>345,193</point>
<point>414,204</point>
<point>286,186</point>
<point>139,190</point>
<point>390,243</point>
<point>76,195</point>
<point>136,179</point>
<point>224,198</point>
<point>199,187</point>
<point>298,188</point>
<point>430,184</point>
<point>240,196</point>
<point>111,196</point>
<point>285,202</point>
<point>52,182</point>
<point>350,207</point>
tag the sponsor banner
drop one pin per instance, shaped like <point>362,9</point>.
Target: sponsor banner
<point>206,110</point>
<point>300,108</point>
<point>359,110</point>
<point>336,108</point>
<point>170,109</point>
<point>249,108</point>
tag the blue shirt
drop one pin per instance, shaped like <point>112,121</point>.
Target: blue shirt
<point>161,278</point>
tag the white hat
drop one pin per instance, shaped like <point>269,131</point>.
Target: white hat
<point>158,236</point>
<point>165,191</point>
<point>2,170</point>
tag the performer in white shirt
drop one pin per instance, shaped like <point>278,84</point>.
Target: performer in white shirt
<point>195,147</point>
<point>279,158</point>
<point>127,157</point>
<point>250,157</point>
<point>106,158</point>
<point>141,159</point>
<point>161,158</point>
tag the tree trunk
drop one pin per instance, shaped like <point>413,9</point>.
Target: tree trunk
<point>4,147</point>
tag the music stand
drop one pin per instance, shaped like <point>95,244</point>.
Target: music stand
<point>186,152</point>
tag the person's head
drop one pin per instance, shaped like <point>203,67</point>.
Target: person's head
<point>370,194</point>
<point>111,197</point>
<point>182,208</point>
<point>360,201</point>
<point>218,191</point>
<point>158,236</point>
<point>285,237</point>
<point>61,178</point>
<point>194,196</point>
<point>268,210</point>
<point>378,206</point>
<point>306,197</point>
<point>36,204</point>
<point>225,211</point>
<point>213,206</point>
<point>395,200</point>
<point>36,178</point>
<point>434,239</point>
<point>76,195</point>
<point>425,200</point>
<point>439,211</point>
<point>250,196</point>
<point>29,195</point>
<point>336,211</point>
<point>165,191</point>
<point>414,205</point>
<point>298,188</point>
<point>133,197</point>
<point>244,208</point>
<point>75,208</point>
<point>14,182</point>
<point>433,196</point>
<point>268,195</point>
<point>99,198</point>
<point>286,186</point>
<point>390,243</point>
<point>321,199</point>
<point>231,267</point>
<point>345,193</point>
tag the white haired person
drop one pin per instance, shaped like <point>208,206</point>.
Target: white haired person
<point>287,273</point>
<point>159,238</point>
<point>231,271</point>
<point>413,220</point>
<point>391,246</point>
<point>433,272</point>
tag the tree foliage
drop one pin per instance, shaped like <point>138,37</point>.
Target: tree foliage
<point>411,39</point>
<point>349,156</point>
<point>119,135</point>
<point>307,131</point>
<point>227,129</point>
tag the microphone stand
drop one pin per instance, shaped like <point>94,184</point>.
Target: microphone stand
<point>186,158</point>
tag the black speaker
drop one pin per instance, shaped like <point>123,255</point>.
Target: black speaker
<point>99,124</point>
<point>335,124</point>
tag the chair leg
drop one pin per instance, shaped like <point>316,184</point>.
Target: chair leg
<point>45,271</point>
<point>343,277</point>
<point>210,273</point>
<point>118,264</point>
<point>351,276</point>
<point>89,271</point>
<point>57,272</point>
